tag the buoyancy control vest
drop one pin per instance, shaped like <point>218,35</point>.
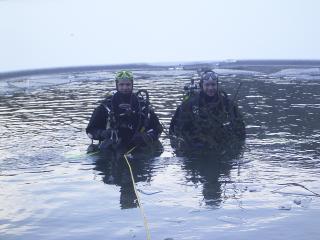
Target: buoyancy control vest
<point>126,114</point>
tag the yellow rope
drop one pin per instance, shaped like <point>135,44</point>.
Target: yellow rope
<point>135,191</point>
<point>137,195</point>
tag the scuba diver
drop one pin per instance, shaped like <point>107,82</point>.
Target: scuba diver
<point>208,118</point>
<point>124,119</point>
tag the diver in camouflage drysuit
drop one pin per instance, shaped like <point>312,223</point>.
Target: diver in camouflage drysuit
<point>208,118</point>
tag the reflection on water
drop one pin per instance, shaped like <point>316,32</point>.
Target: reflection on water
<point>114,170</point>
<point>212,170</point>
<point>50,187</point>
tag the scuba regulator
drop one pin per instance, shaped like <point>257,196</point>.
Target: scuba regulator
<point>190,89</point>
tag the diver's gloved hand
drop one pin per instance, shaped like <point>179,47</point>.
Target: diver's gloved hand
<point>105,134</point>
<point>142,138</point>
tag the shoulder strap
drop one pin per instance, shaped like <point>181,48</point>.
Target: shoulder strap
<point>229,107</point>
<point>108,105</point>
<point>144,109</point>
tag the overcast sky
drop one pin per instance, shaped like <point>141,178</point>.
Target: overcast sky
<point>53,33</point>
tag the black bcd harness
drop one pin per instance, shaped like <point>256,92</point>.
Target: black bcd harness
<point>143,113</point>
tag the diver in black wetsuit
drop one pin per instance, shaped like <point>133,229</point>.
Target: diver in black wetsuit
<point>124,118</point>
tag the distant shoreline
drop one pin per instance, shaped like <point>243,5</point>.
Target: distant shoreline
<point>14,74</point>
<point>236,64</point>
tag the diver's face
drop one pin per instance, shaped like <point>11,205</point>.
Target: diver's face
<point>125,86</point>
<point>210,87</point>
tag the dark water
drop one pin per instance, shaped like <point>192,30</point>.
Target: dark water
<point>50,189</point>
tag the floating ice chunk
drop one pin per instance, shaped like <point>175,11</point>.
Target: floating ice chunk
<point>302,202</point>
<point>285,206</point>
<point>294,189</point>
<point>254,188</point>
<point>297,72</point>
<point>297,201</point>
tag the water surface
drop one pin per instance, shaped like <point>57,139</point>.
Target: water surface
<point>266,188</point>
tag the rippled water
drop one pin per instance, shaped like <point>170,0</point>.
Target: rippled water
<point>50,189</point>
